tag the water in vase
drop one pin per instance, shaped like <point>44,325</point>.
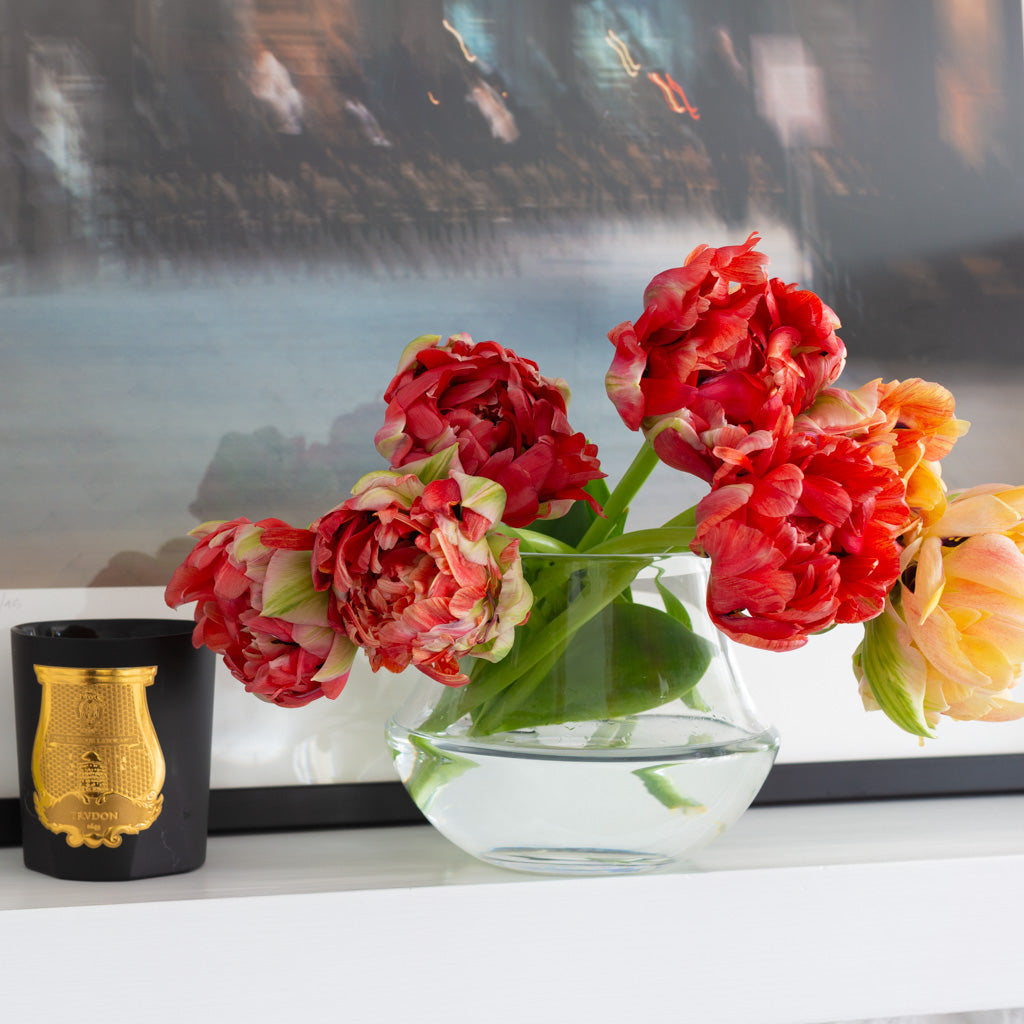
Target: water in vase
<point>578,797</point>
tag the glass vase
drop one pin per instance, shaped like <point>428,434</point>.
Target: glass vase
<point>616,735</point>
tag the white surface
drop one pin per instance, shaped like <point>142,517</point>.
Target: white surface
<point>798,915</point>
<point>810,696</point>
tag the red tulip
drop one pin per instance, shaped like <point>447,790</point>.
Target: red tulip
<point>720,353</point>
<point>256,606</point>
<point>696,317</point>
<point>802,535</point>
<point>508,421</point>
<point>416,575</point>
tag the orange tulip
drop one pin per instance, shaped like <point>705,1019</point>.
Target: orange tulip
<point>907,425</point>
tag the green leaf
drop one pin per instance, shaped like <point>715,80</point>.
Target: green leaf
<point>598,490</point>
<point>432,770</point>
<point>660,540</point>
<point>535,541</point>
<point>626,659</point>
<point>693,699</point>
<point>433,467</point>
<point>687,518</point>
<point>288,591</point>
<point>678,611</point>
<point>664,791</point>
<point>673,605</point>
<point>896,674</point>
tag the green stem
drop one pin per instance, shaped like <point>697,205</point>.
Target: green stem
<point>489,717</point>
<point>510,681</point>
<point>456,702</point>
<point>504,684</point>
<point>625,491</point>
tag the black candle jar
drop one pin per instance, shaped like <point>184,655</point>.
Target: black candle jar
<point>113,721</point>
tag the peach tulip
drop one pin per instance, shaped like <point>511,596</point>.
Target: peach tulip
<point>951,639</point>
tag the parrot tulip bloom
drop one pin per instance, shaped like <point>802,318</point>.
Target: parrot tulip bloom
<point>951,641</point>
<point>417,577</point>
<point>802,536</point>
<point>702,439</point>
<point>796,335</point>
<point>719,352</point>
<point>692,316</point>
<point>256,606</point>
<point>908,426</point>
<point>508,420</point>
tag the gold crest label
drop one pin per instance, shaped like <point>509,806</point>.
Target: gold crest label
<point>97,764</point>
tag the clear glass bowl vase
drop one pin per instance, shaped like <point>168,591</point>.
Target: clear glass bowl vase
<point>616,736</point>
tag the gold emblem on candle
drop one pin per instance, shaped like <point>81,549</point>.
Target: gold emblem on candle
<point>97,764</point>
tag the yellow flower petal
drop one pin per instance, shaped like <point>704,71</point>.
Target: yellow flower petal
<point>930,577</point>
<point>979,513</point>
<point>926,493</point>
<point>991,560</point>
<point>991,710</point>
<point>961,594</point>
<point>990,660</point>
<point>938,639</point>
<point>1003,635</point>
<point>1003,711</point>
<point>963,618</point>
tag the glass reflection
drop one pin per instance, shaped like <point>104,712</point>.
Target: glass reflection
<point>220,220</point>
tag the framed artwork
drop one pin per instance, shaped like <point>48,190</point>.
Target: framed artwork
<point>221,221</point>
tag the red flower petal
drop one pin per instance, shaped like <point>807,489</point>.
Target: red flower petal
<point>500,411</point>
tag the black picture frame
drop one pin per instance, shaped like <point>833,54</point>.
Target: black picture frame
<point>380,804</point>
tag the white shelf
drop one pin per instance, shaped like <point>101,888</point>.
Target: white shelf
<point>798,915</point>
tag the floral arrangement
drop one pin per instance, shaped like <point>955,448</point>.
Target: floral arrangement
<point>824,506</point>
